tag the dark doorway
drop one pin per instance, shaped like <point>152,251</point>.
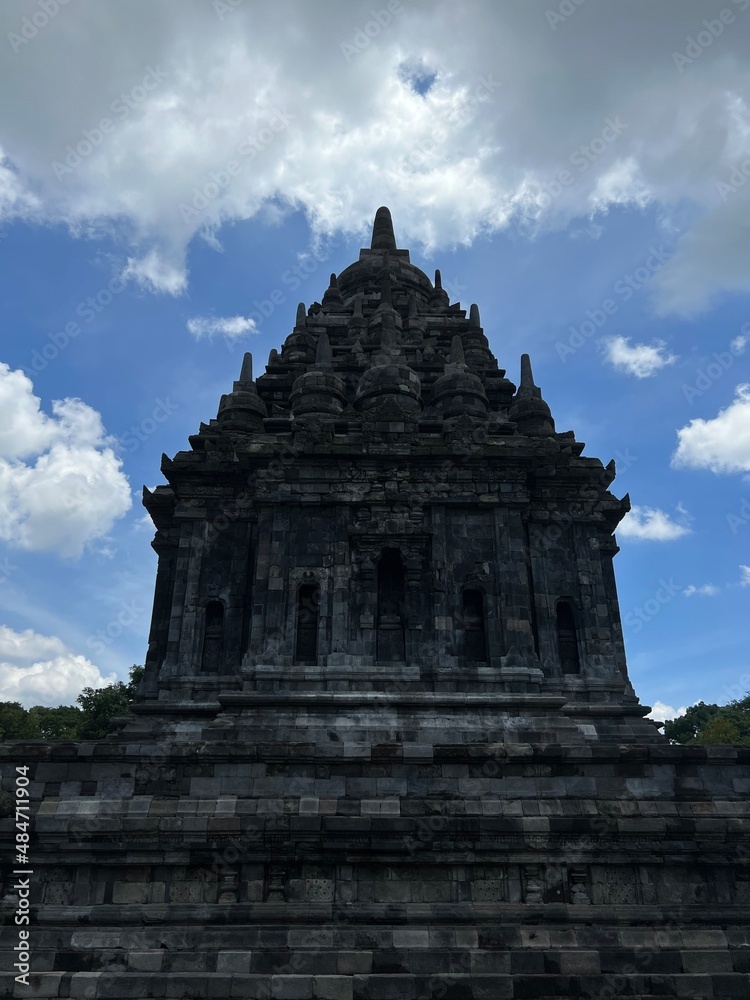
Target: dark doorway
<point>390,638</point>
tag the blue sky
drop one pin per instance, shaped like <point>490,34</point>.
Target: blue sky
<point>592,202</point>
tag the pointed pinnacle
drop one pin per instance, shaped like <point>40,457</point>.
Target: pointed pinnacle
<point>382,231</point>
<point>474,319</point>
<point>301,315</point>
<point>457,351</point>
<point>527,376</point>
<point>438,280</point>
<point>333,295</point>
<point>323,353</point>
<point>246,375</point>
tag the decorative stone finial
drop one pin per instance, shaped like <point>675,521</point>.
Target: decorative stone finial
<point>323,353</point>
<point>333,298</point>
<point>438,296</point>
<point>242,409</point>
<point>527,375</point>
<point>246,374</point>
<point>528,409</point>
<point>382,231</point>
<point>457,351</point>
<point>301,319</point>
<point>474,319</point>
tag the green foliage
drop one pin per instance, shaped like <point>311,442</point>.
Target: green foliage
<point>14,722</point>
<point>89,721</point>
<point>61,723</point>
<point>686,728</point>
<point>99,705</point>
<point>711,725</point>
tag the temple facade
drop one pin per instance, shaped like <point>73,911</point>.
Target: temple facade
<point>386,745</point>
<point>384,511</point>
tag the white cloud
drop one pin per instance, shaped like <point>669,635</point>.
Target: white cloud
<point>641,360</point>
<point>40,670</point>
<point>745,576</point>
<point>721,444</point>
<point>651,524</point>
<point>705,590</point>
<point>739,343</point>
<point>662,712</point>
<point>212,119</point>
<point>231,327</point>
<point>61,484</point>
<point>156,274</point>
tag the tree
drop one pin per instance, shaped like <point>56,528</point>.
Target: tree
<point>61,723</point>
<point>711,725</point>
<point>15,723</point>
<point>686,728</point>
<point>100,705</point>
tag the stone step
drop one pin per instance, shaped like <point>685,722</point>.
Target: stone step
<point>119,985</point>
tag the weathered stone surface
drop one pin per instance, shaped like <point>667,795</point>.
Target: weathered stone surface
<point>386,746</point>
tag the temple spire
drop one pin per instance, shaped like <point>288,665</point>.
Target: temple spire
<point>527,375</point>
<point>246,374</point>
<point>332,297</point>
<point>457,352</point>
<point>323,353</point>
<point>382,231</point>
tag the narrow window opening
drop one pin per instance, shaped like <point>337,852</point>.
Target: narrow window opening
<point>567,638</point>
<point>213,637</point>
<point>390,632</point>
<point>308,610</point>
<point>475,642</point>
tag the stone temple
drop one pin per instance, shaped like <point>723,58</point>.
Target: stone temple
<point>386,746</point>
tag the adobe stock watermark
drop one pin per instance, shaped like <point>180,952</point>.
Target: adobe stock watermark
<point>31,25</point>
<point>223,8</point>
<point>292,280</point>
<point>738,691</point>
<point>7,569</point>
<point>623,291</point>
<point>741,518</point>
<point>644,613</point>
<point>722,362</point>
<point>366,33</point>
<point>453,117</point>
<point>219,180</point>
<point>697,44</point>
<point>565,9</point>
<point>134,437</point>
<point>737,179</point>
<point>128,615</point>
<point>122,107</point>
<point>87,310</point>
<point>582,158</point>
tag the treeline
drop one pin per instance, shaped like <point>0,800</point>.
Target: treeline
<point>709,725</point>
<point>88,719</point>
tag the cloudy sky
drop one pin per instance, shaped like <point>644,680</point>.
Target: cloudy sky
<point>176,175</point>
